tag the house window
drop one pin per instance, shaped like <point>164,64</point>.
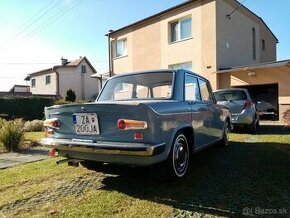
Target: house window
<point>180,30</point>
<point>120,48</point>
<point>33,83</point>
<point>84,69</point>
<point>185,66</point>
<point>263,45</point>
<point>254,42</point>
<point>48,79</point>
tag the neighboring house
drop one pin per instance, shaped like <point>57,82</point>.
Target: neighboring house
<point>205,36</point>
<point>20,88</point>
<point>102,76</point>
<point>17,90</point>
<point>75,75</point>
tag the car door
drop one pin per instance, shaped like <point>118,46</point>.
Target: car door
<point>215,123</point>
<point>199,111</point>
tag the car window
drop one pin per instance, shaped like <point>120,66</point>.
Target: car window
<point>191,88</point>
<point>142,86</point>
<point>230,95</point>
<point>204,90</point>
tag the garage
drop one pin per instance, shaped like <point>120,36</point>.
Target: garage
<point>266,97</point>
<point>267,82</point>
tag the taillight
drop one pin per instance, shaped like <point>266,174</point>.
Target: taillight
<point>53,153</point>
<point>125,124</point>
<point>248,104</point>
<point>52,123</point>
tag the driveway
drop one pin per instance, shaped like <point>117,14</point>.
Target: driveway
<point>26,156</point>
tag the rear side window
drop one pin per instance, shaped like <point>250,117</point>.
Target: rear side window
<point>191,89</point>
<point>204,91</point>
<point>231,95</point>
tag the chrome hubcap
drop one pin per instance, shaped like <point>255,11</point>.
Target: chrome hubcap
<point>180,155</point>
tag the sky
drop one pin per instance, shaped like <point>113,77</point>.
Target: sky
<point>36,34</point>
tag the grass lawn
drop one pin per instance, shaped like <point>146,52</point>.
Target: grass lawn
<point>253,172</point>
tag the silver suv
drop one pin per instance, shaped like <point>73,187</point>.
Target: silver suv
<point>241,105</point>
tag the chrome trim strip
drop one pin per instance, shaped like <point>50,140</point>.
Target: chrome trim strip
<point>120,148</point>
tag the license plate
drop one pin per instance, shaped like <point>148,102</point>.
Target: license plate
<point>86,124</point>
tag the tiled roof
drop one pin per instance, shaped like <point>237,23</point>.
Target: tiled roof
<point>73,63</point>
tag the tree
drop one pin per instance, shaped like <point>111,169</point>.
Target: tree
<point>70,95</point>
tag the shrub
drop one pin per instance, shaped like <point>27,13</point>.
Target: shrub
<point>70,95</point>
<point>33,126</point>
<point>12,134</point>
<point>2,121</point>
<point>28,108</point>
<point>286,117</point>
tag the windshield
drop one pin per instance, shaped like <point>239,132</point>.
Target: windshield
<point>138,86</point>
<point>231,95</point>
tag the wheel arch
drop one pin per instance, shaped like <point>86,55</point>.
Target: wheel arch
<point>188,131</point>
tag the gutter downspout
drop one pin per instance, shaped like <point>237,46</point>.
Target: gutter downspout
<point>57,80</point>
<point>111,66</point>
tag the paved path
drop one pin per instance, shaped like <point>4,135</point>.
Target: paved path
<point>27,156</point>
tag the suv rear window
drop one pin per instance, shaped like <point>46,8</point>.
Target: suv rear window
<point>231,95</point>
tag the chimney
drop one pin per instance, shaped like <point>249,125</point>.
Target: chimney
<point>63,61</point>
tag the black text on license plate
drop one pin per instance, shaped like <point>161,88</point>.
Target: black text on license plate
<point>86,124</point>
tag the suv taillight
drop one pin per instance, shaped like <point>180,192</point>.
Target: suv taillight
<point>248,104</point>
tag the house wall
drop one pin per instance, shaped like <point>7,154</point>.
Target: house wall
<point>149,46</point>
<point>234,37</point>
<point>41,87</point>
<point>70,78</point>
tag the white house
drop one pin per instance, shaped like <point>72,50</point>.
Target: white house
<point>75,75</point>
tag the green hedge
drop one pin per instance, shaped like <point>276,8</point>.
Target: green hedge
<point>28,108</point>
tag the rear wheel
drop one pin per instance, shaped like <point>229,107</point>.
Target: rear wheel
<point>177,161</point>
<point>254,126</point>
<point>225,139</point>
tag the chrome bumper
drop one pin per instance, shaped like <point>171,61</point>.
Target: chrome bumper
<point>114,148</point>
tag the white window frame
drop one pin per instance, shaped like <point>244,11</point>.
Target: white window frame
<point>124,46</point>
<point>178,29</point>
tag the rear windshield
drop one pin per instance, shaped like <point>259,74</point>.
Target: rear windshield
<point>138,86</point>
<point>231,95</point>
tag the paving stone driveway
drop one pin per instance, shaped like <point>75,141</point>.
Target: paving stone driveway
<point>26,156</point>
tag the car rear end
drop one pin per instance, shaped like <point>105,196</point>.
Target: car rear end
<point>239,102</point>
<point>106,132</point>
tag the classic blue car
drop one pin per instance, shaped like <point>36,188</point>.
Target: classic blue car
<point>154,118</point>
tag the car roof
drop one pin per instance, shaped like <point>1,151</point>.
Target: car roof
<point>159,71</point>
<point>231,89</point>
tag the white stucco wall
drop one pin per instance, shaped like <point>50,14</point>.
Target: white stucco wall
<point>70,78</point>
<point>41,88</point>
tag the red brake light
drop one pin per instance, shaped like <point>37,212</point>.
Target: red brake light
<point>247,104</point>
<point>125,124</point>
<point>121,124</point>
<point>52,123</point>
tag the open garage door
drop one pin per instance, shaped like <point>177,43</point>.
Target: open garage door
<point>266,97</point>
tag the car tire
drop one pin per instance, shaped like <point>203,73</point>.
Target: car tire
<point>254,126</point>
<point>178,158</point>
<point>225,140</point>
<point>172,168</point>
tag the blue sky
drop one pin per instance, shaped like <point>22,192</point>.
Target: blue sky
<point>35,34</point>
